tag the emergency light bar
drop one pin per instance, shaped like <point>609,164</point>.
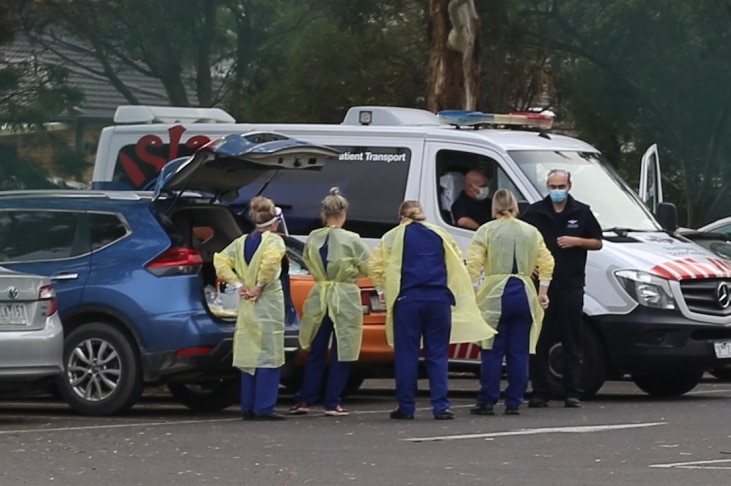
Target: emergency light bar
<point>466,118</point>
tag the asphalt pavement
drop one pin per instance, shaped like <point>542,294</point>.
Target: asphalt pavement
<point>621,437</point>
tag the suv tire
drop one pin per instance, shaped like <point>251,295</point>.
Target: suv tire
<point>207,397</point>
<point>102,374</point>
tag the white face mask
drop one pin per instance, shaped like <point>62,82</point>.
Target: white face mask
<point>482,193</point>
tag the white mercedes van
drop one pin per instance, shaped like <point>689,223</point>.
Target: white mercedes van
<point>657,306</point>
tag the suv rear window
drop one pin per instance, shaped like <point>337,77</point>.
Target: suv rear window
<point>373,179</point>
<point>105,229</point>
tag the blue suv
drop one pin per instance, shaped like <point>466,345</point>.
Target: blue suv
<point>131,269</point>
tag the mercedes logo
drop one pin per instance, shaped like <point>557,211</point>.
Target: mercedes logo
<point>723,294</point>
<point>12,293</point>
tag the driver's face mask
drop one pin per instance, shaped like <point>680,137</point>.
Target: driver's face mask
<point>482,193</point>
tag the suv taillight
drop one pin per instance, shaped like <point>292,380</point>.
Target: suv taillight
<point>48,292</point>
<point>176,261</point>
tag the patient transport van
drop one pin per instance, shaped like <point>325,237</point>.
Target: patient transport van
<point>657,307</point>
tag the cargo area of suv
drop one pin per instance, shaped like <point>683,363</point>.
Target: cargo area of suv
<point>131,271</point>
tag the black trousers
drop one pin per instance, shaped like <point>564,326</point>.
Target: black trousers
<point>561,323</point>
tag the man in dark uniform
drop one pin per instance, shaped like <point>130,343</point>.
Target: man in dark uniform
<point>473,206</point>
<point>569,229</point>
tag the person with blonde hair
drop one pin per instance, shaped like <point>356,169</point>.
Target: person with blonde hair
<point>336,258</point>
<point>429,301</point>
<point>507,251</point>
<point>253,263</point>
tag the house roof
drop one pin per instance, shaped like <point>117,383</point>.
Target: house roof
<point>101,98</point>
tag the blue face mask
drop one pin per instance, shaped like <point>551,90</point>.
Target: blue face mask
<point>558,195</point>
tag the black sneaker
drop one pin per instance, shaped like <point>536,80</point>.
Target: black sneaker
<point>268,416</point>
<point>445,415</point>
<point>484,409</point>
<point>247,415</point>
<point>512,410</point>
<point>537,403</point>
<point>399,415</point>
<point>572,402</point>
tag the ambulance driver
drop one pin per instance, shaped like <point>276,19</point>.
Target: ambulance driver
<point>253,264</point>
<point>508,250</point>
<point>429,300</point>
<point>333,309</point>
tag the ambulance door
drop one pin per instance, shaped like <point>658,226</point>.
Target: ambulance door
<point>651,179</point>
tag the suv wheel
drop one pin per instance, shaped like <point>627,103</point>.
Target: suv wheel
<point>102,374</point>
<point>207,397</point>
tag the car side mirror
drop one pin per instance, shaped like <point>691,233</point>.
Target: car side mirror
<point>667,215</point>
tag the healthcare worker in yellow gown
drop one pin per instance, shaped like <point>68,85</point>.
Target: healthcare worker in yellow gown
<point>333,309</point>
<point>429,300</point>
<point>253,264</point>
<point>508,250</point>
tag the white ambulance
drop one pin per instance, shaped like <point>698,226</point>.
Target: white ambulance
<point>657,307</point>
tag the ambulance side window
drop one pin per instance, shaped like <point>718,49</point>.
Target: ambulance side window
<point>452,165</point>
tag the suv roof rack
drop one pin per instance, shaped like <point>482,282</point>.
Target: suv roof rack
<point>75,193</point>
<point>170,114</point>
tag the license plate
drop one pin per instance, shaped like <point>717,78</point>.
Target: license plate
<point>13,314</point>
<point>723,349</point>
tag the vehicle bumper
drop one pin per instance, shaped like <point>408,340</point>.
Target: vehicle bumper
<point>215,363</point>
<point>29,356</point>
<point>660,342</point>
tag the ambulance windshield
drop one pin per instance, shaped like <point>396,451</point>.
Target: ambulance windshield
<point>593,182</point>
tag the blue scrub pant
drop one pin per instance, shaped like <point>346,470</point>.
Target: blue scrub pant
<point>259,391</point>
<point>511,342</point>
<point>414,321</point>
<point>315,367</point>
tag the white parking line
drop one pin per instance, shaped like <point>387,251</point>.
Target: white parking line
<point>706,392</point>
<point>544,430</point>
<point>696,464</point>
<point>114,426</point>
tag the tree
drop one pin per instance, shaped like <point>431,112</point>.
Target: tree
<point>174,45</point>
<point>352,53</point>
<point>454,55</point>
<point>638,72</point>
<point>213,48</point>
<point>31,92</point>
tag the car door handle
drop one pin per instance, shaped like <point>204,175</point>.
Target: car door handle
<point>65,276</point>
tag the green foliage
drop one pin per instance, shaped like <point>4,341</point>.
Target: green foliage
<point>17,173</point>
<point>31,93</point>
<point>358,53</point>
<point>639,72</point>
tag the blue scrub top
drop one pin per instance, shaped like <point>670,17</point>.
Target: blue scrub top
<point>250,245</point>
<point>423,269</point>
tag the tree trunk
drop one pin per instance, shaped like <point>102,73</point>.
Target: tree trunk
<point>454,55</point>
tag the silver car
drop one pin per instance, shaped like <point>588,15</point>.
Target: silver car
<point>31,335</point>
